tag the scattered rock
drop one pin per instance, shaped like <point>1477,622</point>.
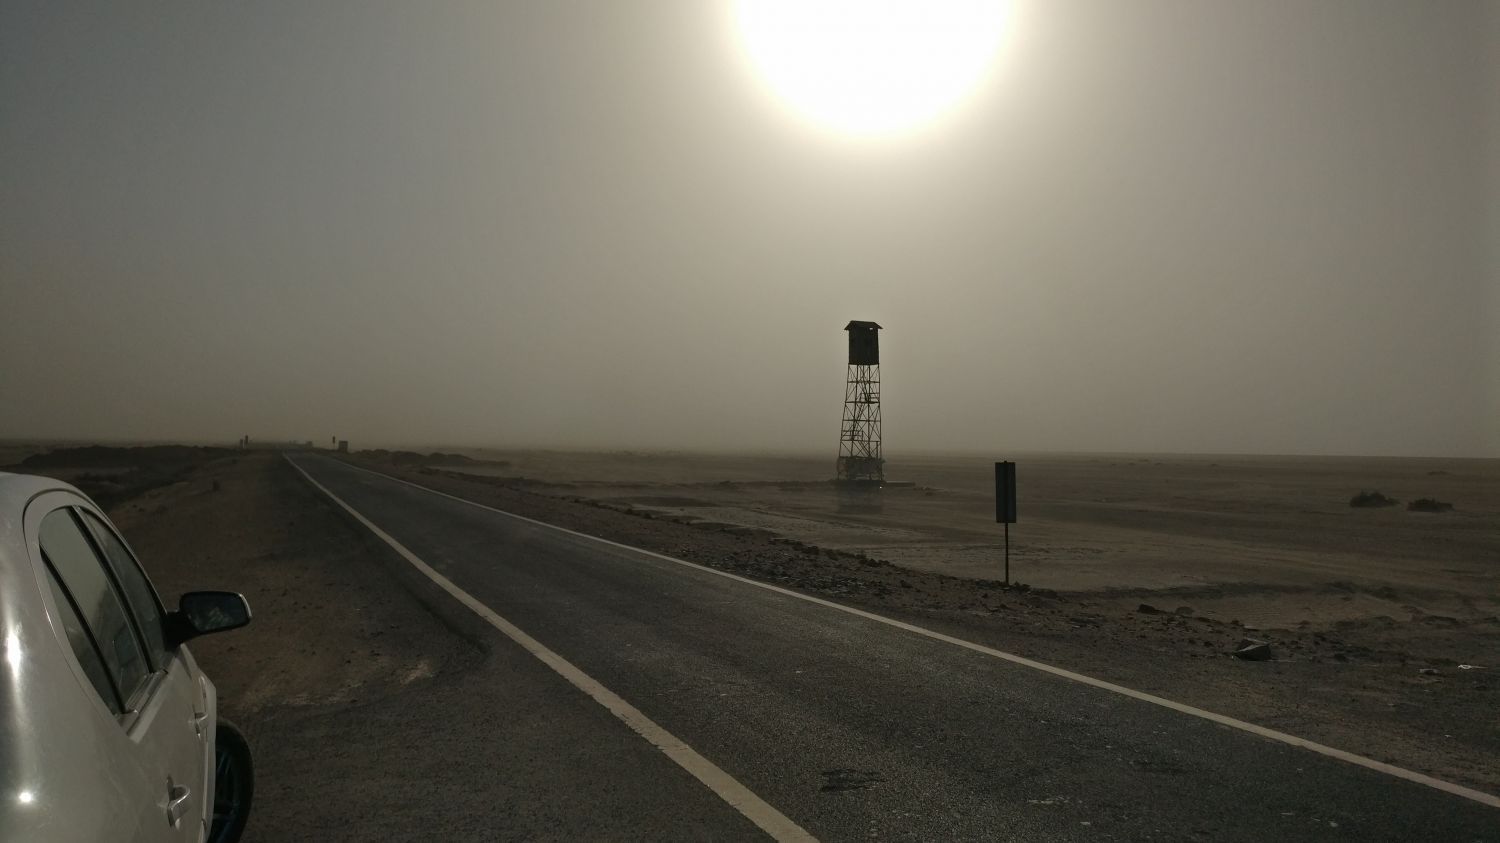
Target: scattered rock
<point>1148,609</point>
<point>1252,650</point>
<point>1185,611</point>
<point>1428,671</point>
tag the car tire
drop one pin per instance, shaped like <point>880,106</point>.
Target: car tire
<point>234,784</point>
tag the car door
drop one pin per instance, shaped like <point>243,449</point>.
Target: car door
<point>184,688</point>
<point>156,704</point>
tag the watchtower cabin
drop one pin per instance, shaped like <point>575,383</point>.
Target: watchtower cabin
<point>860,458</point>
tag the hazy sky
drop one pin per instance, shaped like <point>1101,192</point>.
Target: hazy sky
<point>1164,226</point>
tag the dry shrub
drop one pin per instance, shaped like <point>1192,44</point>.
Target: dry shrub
<point>1429,505</point>
<point>1369,499</point>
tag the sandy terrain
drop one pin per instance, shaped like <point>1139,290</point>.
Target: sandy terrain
<point>1270,541</point>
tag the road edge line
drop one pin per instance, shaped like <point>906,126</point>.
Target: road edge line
<point>1469,793</point>
<point>774,823</point>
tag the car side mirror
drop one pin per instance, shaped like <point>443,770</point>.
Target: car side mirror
<point>203,612</point>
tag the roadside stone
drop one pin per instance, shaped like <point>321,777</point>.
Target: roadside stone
<point>1252,650</point>
<point>1148,609</point>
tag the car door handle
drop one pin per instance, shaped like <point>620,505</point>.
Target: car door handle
<point>177,802</point>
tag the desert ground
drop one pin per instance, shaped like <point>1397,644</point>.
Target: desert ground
<point>1144,571</point>
<point>1268,541</point>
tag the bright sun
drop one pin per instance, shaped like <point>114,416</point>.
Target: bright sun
<point>872,67</point>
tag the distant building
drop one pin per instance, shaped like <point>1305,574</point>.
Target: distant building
<point>343,446</point>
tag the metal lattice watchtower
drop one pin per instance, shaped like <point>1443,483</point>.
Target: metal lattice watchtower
<point>860,458</point>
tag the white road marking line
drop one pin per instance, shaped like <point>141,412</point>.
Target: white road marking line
<point>742,799</point>
<point>1292,740</point>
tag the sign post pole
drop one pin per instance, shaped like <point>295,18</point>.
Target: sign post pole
<point>1005,504</point>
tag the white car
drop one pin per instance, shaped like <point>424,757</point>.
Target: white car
<point>108,729</point>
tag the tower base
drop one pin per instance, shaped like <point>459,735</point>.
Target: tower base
<point>861,470</point>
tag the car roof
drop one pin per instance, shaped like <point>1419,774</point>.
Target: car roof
<point>17,489</point>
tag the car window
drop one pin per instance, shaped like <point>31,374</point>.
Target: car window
<point>83,645</point>
<point>82,575</point>
<point>138,591</point>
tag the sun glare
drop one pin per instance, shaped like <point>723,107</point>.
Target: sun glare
<point>872,67</point>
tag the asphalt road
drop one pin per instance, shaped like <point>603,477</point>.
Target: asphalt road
<point>850,728</point>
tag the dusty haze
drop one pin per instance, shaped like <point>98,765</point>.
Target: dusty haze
<point>1186,226</point>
